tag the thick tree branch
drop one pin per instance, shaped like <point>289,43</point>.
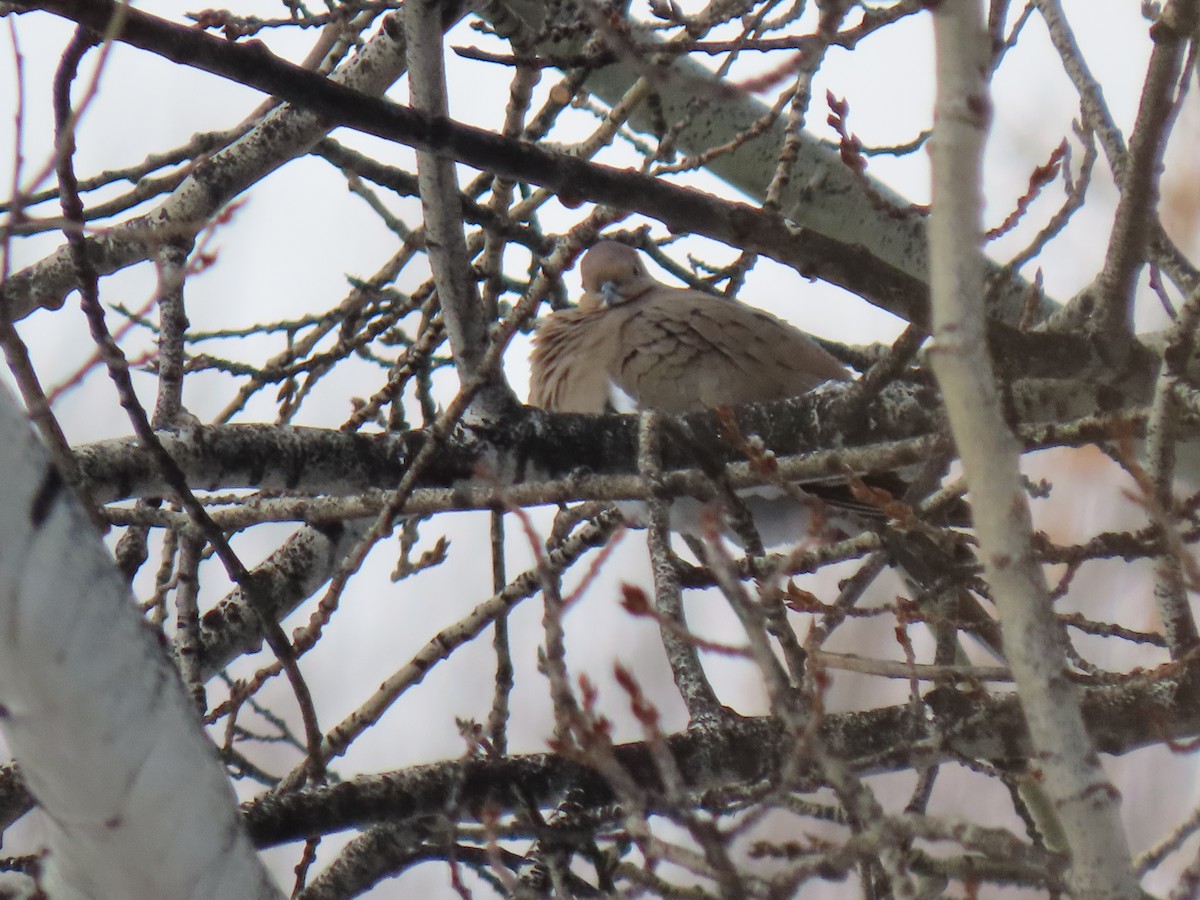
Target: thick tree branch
<point>1084,800</point>
<point>107,740</point>
<point>710,121</point>
<point>812,254</point>
<point>732,751</point>
<point>531,446</point>
<point>440,204</point>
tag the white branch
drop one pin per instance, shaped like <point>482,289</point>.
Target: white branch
<point>823,194</point>
<point>441,203</point>
<point>1084,800</point>
<point>137,803</point>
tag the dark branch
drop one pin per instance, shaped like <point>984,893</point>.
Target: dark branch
<point>736,751</point>
<point>681,209</point>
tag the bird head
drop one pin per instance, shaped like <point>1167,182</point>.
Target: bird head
<point>613,274</point>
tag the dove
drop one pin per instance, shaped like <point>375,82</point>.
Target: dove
<point>636,343</point>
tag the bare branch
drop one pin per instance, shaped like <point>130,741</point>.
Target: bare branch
<point>1083,798</point>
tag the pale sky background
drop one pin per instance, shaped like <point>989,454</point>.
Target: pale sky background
<point>300,233</point>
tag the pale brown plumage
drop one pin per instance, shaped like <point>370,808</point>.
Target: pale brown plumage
<point>679,351</point>
<point>673,349</point>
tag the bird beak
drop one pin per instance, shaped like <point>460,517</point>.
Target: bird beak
<point>611,294</point>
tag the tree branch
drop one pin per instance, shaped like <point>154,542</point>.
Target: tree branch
<point>107,740</point>
<point>1138,177</point>
<point>284,134</point>
<point>440,203</point>
<point>732,751</point>
<point>812,254</point>
<point>1083,798</point>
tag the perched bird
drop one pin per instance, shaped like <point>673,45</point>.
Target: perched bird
<point>636,343</point>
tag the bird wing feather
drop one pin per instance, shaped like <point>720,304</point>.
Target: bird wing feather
<point>683,350</point>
